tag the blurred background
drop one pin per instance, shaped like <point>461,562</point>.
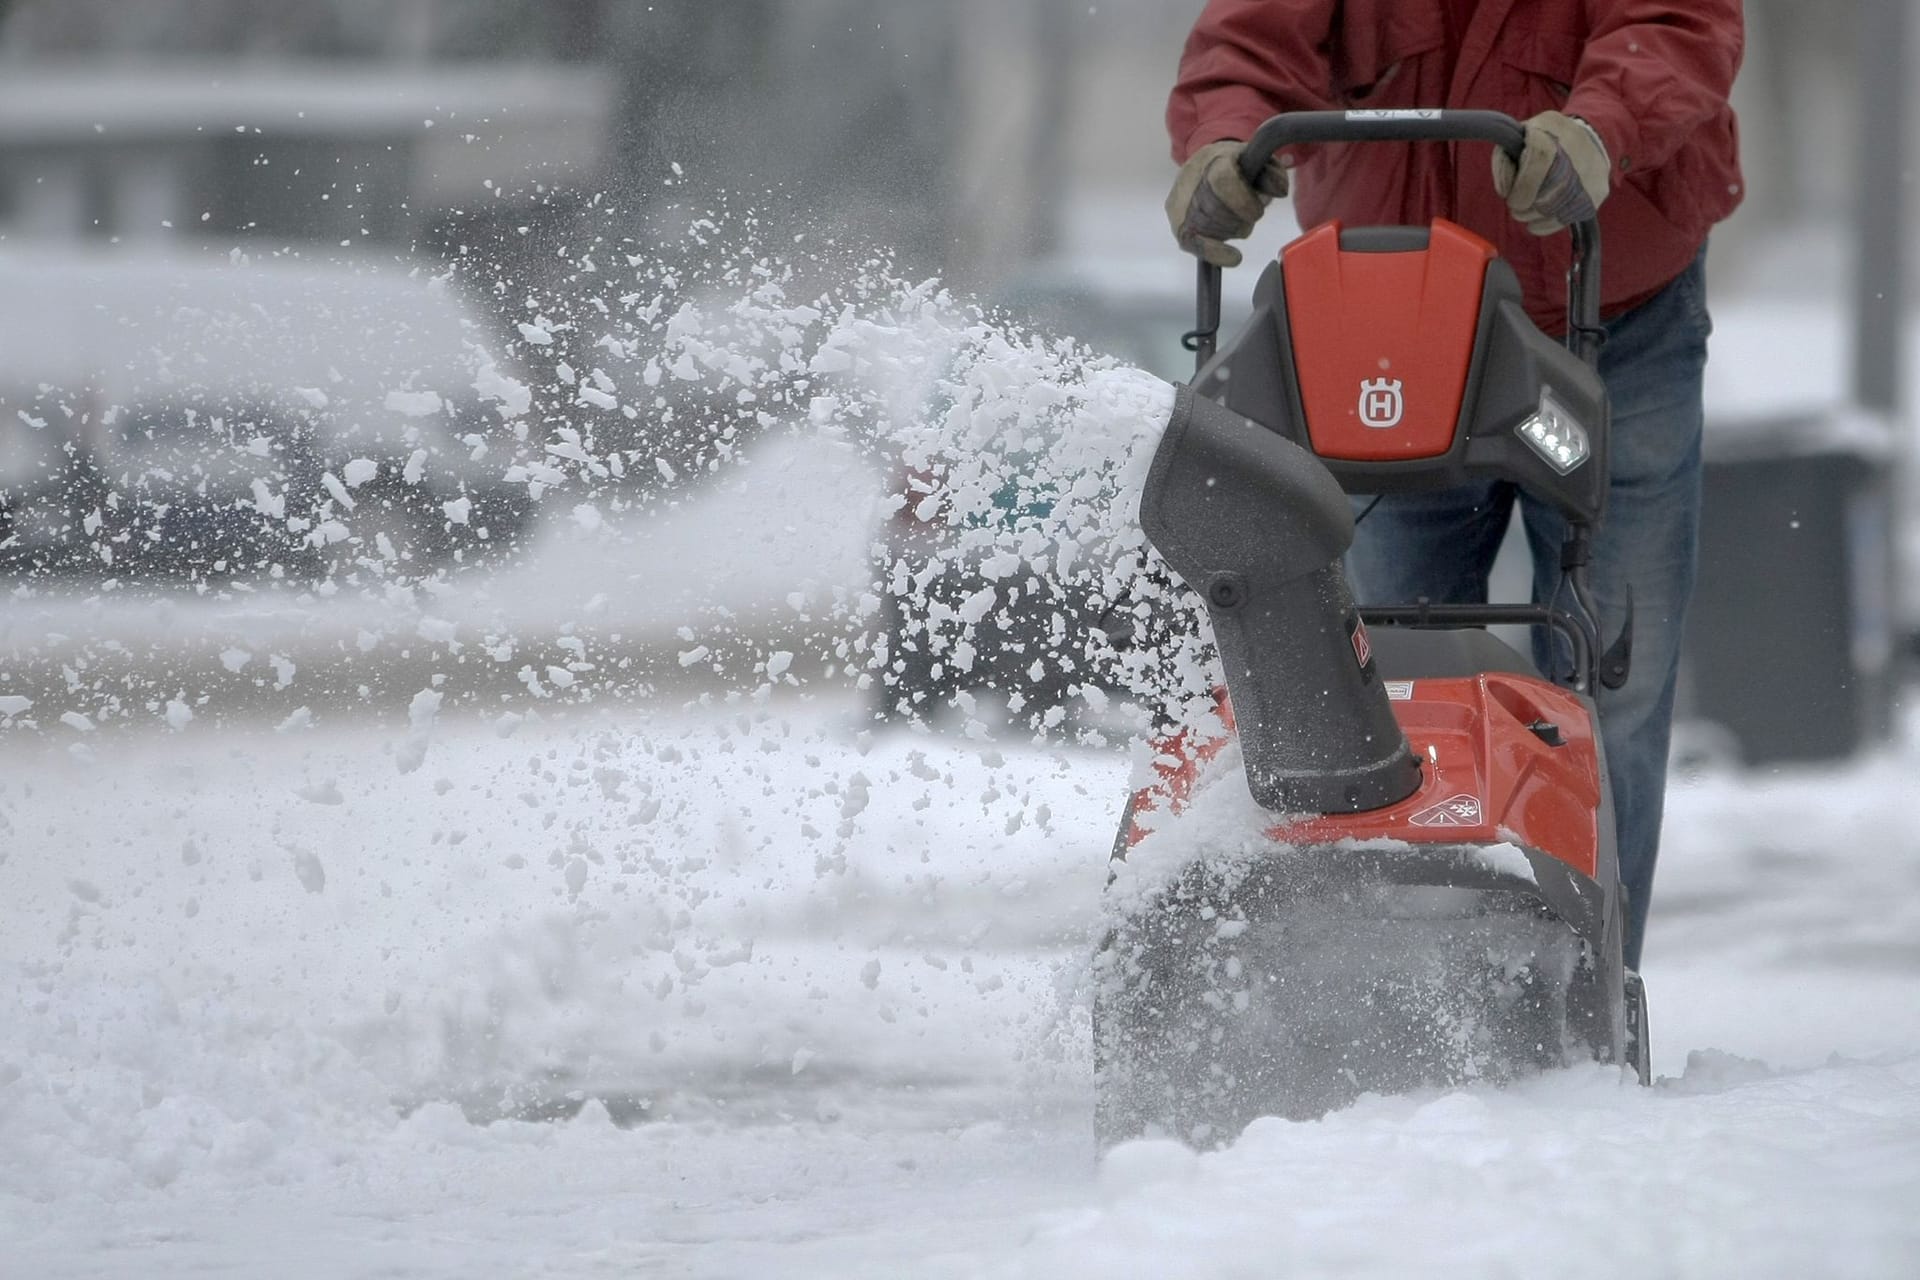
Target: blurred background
<point>392,186</point>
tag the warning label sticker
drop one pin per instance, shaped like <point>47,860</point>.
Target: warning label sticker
<point>1362,647</point>
<point>1456,811</point>
<point>1399,690</point>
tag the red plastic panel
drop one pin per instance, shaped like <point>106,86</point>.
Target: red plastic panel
<point>1487,778</point>
<point>1382,341</point>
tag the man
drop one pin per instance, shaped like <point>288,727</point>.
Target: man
<point>1634,94</point>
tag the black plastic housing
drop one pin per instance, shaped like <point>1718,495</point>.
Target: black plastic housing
<point>1513,361</point>
<point>1257,526</point>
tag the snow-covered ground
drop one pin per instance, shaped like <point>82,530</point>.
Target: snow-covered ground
<point>769,995</point>
<point>759,551</point>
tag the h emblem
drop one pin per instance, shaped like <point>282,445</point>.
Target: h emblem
<point>1381,403</point>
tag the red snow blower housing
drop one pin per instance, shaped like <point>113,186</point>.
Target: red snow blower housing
<point>1432,897</point>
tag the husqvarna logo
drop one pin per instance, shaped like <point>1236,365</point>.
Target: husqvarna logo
<point>1381,403</point>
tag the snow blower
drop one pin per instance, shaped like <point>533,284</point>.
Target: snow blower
<point>1424,892</point>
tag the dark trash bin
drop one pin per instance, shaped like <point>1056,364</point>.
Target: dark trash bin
<point>1789,646</point>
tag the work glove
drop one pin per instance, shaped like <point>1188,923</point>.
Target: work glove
<point>1562,174</point>
<point>1211,203</point>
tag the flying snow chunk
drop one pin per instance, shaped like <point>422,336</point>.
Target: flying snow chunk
<point>179,715</point>
<point>13,704</point>
<point>458,510</point>
<point>234,659</point>
<point>777,664</point>
<point>568,448</point>
<point>853,802</point>
<point>267,502</point>
<point>331,483</point>
<point>830,360</point>
<point>587,516</point>
<point>421,713</point>
<point>513,396</point>
<point>74,720</point>
<point>416,467</point>
<point>536,335</point>
<point>359,471</point>
<point>313,396</point>
<point>414,404</point>
<point>424,709</point>
<point>1001,564</point>
<point>978,605</point>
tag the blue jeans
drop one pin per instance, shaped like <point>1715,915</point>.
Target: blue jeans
<point>1442,546</point>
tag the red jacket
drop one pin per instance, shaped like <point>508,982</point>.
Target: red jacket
<point>1651,78</point>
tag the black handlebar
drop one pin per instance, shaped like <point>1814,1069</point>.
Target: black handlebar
<point>1503,131</point>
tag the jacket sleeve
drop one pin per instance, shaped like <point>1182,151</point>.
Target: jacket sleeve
<point>1652,73</point>
<point>1247,60</point>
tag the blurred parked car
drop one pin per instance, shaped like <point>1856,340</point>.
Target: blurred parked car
<point>190,419</point>
<point>1033,648</point>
